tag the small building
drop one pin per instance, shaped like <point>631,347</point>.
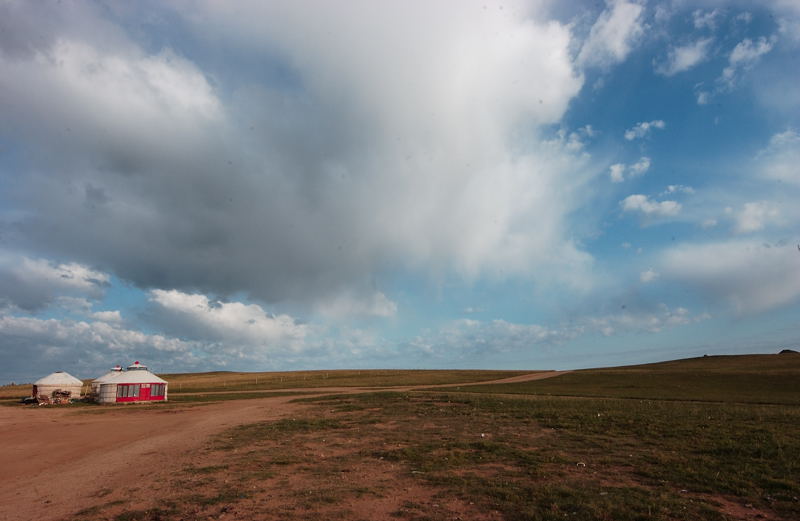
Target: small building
<point>58,387</point>
<point>137,384</point>
<point>110,375</point>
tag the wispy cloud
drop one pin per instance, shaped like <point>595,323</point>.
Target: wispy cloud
<point>613,34</point>
<point>754,216</point>
<point>684,57</point>
<point>780,160</point>
<point>750,275</point>
<point>743,57</point>
<point>648,207</point>
<point>617,171</point>
<point>643,129</point>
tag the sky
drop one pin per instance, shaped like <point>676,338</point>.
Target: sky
<point>261,186</point>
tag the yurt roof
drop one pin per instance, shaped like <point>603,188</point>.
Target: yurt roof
<point>58,378</point>
<point>111,374</point>
<point>138,376</point>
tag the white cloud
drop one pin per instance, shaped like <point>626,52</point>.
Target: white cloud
<point>663,13</point>
<point>33,346</point>
<point>648,275</point>
<point>748,274</point>
<point>706,19</point>
<point>744,56</point>
<point>613,35</point>
<point>34,283</point>
<point>676,189</point>
<point>651,322</point>
<point>643,128</point>
<point>65,334</point>
<point>755,216</point>
<point>617,171</point>
<point>645,205</point>
<point>466,337</point>
<point>780,160</point>
<point>197,317</point>
<point>790,28</point>
<point>640,167</point>
<point>113,317</point>
<point>469,338</point>
<point>683,58</point>
<point>708,223</point>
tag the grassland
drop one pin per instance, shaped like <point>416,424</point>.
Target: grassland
<point>768,379</point>
<point>227,381</point>
<point>687,440</point>
<point>230,381</point>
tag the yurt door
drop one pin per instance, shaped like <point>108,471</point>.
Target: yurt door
<point>144,392</point>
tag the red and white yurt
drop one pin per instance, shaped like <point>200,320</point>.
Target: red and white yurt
<point>58,382</point>
<point>137,384</point>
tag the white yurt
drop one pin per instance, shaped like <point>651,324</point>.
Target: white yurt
<point>108,377</point>
<point>137,384</point>
<point>58,382</point>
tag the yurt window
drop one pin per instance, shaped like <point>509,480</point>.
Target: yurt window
<point>157,390</point>
<point>128,391</point>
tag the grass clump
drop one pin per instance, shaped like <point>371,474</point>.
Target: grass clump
<point>255,432</point>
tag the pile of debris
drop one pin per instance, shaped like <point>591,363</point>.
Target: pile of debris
<point>58,397</point>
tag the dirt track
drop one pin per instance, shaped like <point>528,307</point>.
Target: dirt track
<point>56,462</point>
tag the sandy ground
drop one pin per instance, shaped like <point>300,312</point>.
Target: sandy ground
<point>55,462</point>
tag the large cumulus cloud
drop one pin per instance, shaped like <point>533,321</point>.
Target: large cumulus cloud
<point>364,138</point>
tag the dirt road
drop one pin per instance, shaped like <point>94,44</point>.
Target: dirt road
<point>56,462</point>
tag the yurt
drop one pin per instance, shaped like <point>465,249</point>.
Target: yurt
<point>111,374</point>
<point>137,384</point>
<point>57,386</point>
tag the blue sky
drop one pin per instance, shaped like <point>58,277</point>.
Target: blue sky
<point>268,186</point>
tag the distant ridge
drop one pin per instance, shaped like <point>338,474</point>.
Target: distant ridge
<point>788,352</point>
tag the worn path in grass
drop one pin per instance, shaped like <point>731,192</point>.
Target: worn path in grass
<point>56,462</point>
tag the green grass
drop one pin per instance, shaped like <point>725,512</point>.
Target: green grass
<point>230,381</point>
<point>750,379</point>
<point>244,435</point>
